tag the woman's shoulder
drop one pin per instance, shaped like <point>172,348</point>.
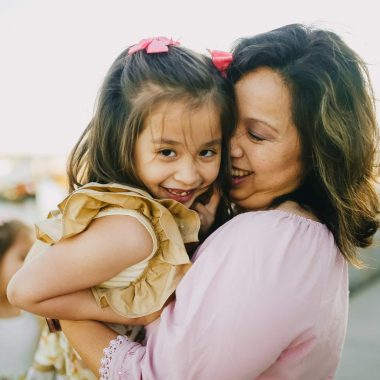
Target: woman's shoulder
<point>273,248</point>
<point>285,219</point>
<point>277,232</point>
<point>294,208</point>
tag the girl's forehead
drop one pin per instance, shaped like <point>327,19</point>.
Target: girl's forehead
<point>180,121</point>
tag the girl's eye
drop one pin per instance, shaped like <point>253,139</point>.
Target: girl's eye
<point>167,153</point>
<point>207,153</point>
<point>255,137</point>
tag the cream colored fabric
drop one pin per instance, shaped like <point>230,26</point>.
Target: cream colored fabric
<point>156,279</point>
<point>125,277</point>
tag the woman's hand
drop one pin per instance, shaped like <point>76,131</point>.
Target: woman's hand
<point>207,211</point>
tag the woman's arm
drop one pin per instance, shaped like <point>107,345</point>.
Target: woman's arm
<point>109,245</point>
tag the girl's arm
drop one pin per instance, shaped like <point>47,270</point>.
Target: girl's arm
<point>81,305</point>
<point>109,245</point>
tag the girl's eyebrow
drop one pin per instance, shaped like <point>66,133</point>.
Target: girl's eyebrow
<point>173,142</point>
<point>166,141</point>
<point>213,142</point>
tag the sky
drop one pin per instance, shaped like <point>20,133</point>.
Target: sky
<point>54,54</point>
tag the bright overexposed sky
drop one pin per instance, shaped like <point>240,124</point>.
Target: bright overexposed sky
<point>55,53</point>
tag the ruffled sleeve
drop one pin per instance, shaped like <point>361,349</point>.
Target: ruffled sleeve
<point>173,225</point>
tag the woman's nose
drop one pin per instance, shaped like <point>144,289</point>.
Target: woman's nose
<point>235,150</point>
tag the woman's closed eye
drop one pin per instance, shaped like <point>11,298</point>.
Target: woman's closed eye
<point>256,137</point>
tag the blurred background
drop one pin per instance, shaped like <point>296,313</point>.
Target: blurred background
<point>54,55</point>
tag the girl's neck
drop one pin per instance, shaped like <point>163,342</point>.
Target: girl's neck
<point>7,310</point>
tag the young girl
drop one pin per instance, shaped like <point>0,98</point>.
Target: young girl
<point>19,331</point>
<point>115,248</point>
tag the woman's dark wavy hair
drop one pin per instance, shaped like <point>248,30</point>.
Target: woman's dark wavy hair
<point>133,86</point>
<point>333,109</point>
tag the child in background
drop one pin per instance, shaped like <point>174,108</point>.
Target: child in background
<point>115,248</point>
<point>19,330</point>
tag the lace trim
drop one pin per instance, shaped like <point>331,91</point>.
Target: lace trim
<point>108,352</point>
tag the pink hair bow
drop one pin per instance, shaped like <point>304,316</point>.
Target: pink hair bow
<point>222,60</point>
<point>153,45</point>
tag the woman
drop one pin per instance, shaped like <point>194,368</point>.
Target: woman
<point>267,296</point>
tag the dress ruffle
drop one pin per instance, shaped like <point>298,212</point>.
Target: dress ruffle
<point>173,223</point>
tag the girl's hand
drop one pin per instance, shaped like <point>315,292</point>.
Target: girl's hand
<point>207,211</point>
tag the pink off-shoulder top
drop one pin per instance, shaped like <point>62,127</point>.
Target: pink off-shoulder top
<point>266,298</point>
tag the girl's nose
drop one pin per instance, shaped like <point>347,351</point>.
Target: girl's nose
<point>188,174</point>
<point>236,151</point>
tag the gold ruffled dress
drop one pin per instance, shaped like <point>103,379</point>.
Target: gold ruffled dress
<point>137,290</point>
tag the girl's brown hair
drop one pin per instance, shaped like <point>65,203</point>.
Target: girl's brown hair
<point>333,108</point>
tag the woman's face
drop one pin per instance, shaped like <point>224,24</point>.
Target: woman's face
<point>266,153</point>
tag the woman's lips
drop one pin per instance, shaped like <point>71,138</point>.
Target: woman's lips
<point>239,175</point>
<point>237,180</point>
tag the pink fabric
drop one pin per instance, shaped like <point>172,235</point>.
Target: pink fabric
<point>266,299</point>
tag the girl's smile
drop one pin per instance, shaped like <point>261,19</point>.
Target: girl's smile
<point>180,195</point>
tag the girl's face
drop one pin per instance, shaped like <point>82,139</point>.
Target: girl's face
<point>179,151</point>
<point>265,150</point>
